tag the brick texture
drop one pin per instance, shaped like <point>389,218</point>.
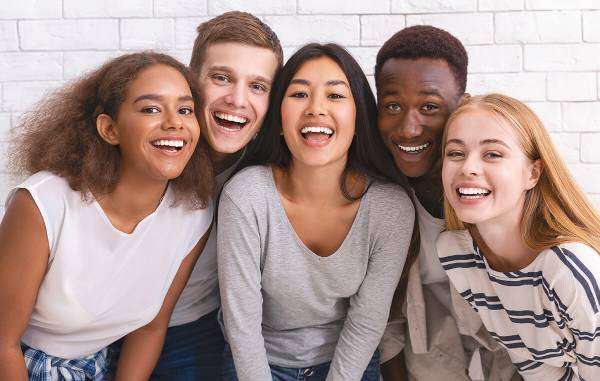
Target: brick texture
<point>544,52</point>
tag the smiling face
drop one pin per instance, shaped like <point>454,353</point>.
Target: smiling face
<point>155,127</point>
<point>318,114</point>
<point>486,173</point>
<point>235,80</point>
<point>415,98</point>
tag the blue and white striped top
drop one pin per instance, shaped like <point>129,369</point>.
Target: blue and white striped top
<point>546,315</point>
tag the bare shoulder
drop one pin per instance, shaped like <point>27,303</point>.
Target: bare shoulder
<point>22,224</point>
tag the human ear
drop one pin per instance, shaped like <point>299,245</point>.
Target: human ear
<point>534,174</point>
<point>105,125</point>
<point>463,98</point>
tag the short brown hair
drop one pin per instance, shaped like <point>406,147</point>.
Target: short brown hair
<point>234,26</point>
<point>60,136</point>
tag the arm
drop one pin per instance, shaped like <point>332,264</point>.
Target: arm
<point>142,347</point>
<point>238,253</point>
<point>24,256</point>
<point>370,306</point>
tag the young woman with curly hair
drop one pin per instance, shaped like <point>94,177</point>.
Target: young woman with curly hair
<point>100,239</point>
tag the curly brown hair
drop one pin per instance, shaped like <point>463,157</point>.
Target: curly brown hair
<point>60,136</point>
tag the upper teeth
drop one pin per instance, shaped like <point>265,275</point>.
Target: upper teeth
<point>170,143</point>
<point>321,130</point>
<point>231,118</point>
<point>473,191</point>
<point>412,149</point>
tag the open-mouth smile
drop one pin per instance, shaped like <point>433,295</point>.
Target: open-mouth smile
<point>472,193</point>
<point>169,145</point>
<point>230,122</point>
<point>414,150</point>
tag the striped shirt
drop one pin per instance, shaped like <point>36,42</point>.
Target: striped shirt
<point>546,315</point>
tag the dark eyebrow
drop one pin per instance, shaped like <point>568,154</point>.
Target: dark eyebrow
<point>300,82</point>
<point>220,67</point>
<point>156,97</point>
<point>433,92</point>
<point>332,82</point>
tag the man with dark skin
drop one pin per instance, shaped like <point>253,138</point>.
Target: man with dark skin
<point>421,75</point>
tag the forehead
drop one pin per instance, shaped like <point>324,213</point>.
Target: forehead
<point>476,125</point>
<point>408,76</point>
<point>242,59</point>
<point>320,68</point>
<point>159,79</point>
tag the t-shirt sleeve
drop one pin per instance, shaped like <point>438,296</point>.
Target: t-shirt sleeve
<point>370,306</point>
<point>578,287</point>
<point>238,255</point>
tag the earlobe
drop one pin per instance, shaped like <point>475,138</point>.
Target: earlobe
<point>105,125</point>
<point>463,98</point>
<point>535,174</point>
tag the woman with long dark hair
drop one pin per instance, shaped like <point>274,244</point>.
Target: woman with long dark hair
<point>312,237</point>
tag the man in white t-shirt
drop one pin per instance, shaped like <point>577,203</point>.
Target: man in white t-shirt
<point>421,75</point>
<point>235,58</point>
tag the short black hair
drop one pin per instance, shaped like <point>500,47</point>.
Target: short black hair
<point>367,154</point>
<point>426,41</point>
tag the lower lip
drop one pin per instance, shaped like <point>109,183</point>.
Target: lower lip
<point>316,143</point>
<point>170,153</point>
<point>472,201</point>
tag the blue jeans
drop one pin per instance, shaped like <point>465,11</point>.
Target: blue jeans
<point>191,352</point>
<point>313,373</point>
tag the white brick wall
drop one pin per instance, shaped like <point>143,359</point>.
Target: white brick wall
<point>544,52</point>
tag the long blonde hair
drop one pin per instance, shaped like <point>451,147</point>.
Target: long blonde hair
<point>555,210</point>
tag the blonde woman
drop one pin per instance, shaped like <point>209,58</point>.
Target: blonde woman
<point>522,242</point>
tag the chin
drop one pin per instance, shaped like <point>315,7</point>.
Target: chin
<point>409,170</point>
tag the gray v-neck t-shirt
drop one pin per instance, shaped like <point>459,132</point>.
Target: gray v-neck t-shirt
<point>282,304</point>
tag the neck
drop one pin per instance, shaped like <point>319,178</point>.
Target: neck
<point>506,247</point>
<point>429,191</point>
<point>222,161</point>
<point>133,198</point>
<point>314,185</point>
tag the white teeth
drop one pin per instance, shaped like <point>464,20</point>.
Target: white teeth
<point>319,130</point>
<point>168,143</point>
<point>231,118</point>
<point>473,191</point>
<point>413,149</point>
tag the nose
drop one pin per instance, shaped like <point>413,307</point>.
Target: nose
<point>471,165</point>
<point>315,106</point>
<point>238,95</point>
<point>410,125</point>
<point>172,120</point>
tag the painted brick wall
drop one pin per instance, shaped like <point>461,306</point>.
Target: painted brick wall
<point>544,52</point>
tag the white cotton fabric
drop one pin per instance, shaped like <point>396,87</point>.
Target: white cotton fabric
<point>201,293</point>
<point>102,283</point>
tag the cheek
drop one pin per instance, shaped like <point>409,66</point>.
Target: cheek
<point>261,105</point>
<point>290,114</point>
<point>448,171</point>
<point>384,124</point>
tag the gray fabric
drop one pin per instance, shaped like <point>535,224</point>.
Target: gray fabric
<point>282,304</point>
